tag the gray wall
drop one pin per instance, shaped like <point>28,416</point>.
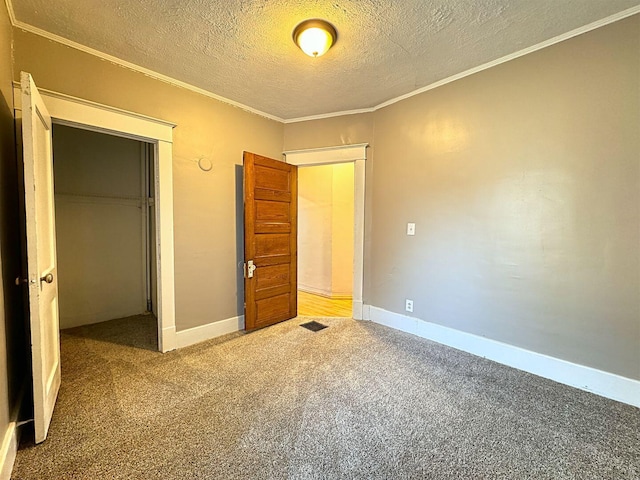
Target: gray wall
<point>208,240</point>
<point>13,361</point>
<point>99,226</point>
<point>522,179</point>
<point>524,183</point>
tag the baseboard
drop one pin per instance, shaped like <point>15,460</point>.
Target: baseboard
<point>194,335</point>
<point>314,291</point>
<point>341,296</point>
<point>356,309</point>
<point>90,319</point>
<point>325,293</point>
<point>601,383</point>
<point>9,448</point>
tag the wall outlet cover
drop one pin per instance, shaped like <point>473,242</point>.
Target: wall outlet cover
<point>408,305</point>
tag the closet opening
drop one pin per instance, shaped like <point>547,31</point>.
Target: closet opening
<point>105,237</point>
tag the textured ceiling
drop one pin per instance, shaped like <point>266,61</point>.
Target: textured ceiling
<point>242,50</point>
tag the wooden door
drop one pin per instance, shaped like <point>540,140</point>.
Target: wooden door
<point>270,241</point>
<point>41,255</point>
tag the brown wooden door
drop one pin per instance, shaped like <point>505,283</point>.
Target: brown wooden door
<point>270,241</point>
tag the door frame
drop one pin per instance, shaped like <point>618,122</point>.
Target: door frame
<point>79,113</point>
<point>356,154</point>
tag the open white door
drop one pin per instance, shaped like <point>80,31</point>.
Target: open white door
<point>41,255</point>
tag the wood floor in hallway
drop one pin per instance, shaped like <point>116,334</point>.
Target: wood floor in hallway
<point>310,305</point>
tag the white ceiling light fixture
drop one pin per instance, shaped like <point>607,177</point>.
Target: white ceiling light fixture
<point>315,36</point>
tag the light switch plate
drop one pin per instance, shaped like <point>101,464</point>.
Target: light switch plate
<point>411,228</point>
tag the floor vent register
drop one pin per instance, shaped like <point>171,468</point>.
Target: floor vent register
<point>313,326</point>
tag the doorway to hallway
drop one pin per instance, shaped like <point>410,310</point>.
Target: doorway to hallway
<point>325,240</point>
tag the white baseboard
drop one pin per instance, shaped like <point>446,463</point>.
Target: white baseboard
<point>194,335</point>
<point>9,447</point>
<point>366,312</point>
<point>602,383</point>
<point>357,307</point>
<point>9,450</point>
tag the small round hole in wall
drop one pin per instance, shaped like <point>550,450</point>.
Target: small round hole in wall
<point>205,164</point>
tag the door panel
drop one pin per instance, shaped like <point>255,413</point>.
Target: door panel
<point>270,244</point>
<point>277,212</point>
<point>41,255</point>
<point>272,276</point>
<point>272,310</point>
<point>270,216</point>
<point>272,178</point>
<point>275,195</point>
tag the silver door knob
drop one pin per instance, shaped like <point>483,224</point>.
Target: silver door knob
<point>48,278</point>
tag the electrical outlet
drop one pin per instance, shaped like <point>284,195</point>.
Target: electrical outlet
<point>408,305</point>
<point>411,228</point>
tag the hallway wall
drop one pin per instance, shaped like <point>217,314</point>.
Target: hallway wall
<point>325,229</point>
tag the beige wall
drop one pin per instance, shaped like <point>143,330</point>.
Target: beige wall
<point>99,195</point>
<point>12,328</point>
<point>325,229</point>
<point>207,205</point>
<point>524,183</point>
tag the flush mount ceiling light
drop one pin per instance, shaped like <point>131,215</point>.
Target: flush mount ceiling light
<point>315,37</point>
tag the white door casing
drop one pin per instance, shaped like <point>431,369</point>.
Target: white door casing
<point>356,153</point>
<point>41,255</point>
<point>79,113</point>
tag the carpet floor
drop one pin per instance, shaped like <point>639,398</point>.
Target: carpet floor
<point>353,401</point>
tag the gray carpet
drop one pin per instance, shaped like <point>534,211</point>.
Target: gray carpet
<point>354,401</point>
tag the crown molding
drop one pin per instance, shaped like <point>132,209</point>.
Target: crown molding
<point>158,76</point>
<point>12,15</point>
<point>329,115</point>
<point>512,56</point>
